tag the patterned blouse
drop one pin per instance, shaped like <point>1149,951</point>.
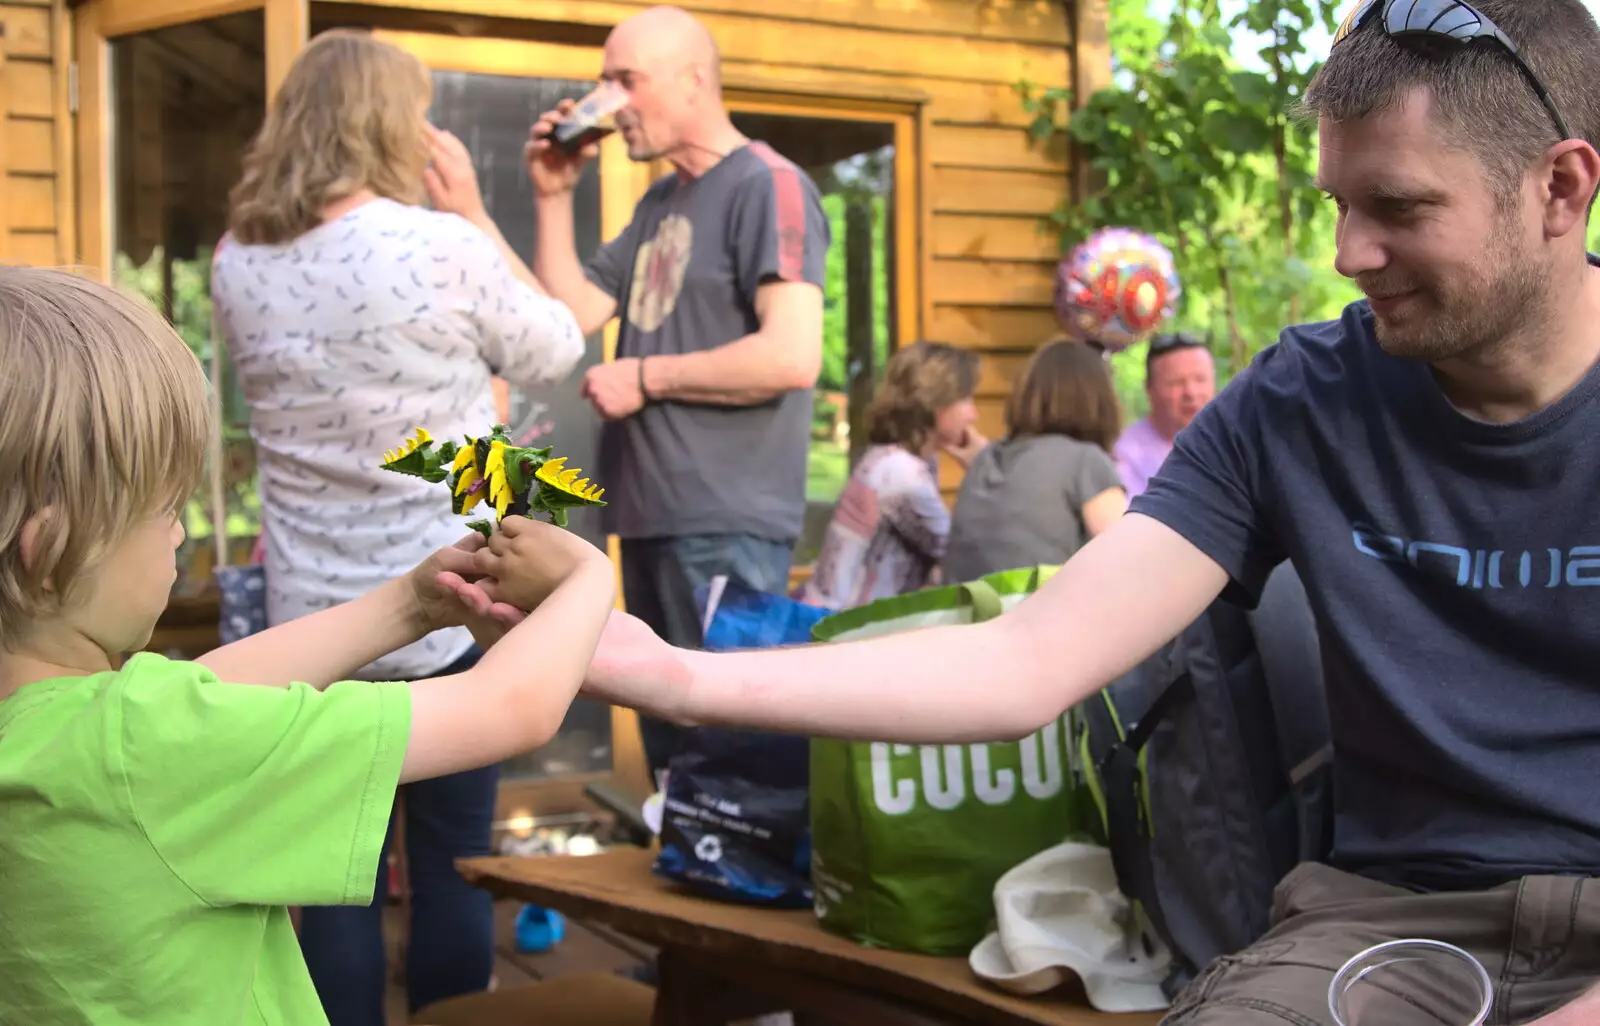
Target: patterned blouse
<point>346,339</point>
<point>887,534</point>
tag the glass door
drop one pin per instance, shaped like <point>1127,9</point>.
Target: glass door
<point>862,162</point>
<point>179,104</point>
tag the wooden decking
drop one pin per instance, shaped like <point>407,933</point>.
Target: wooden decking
<point>583,949</point>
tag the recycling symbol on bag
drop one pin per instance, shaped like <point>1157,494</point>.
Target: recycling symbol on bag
<point>708,848</point>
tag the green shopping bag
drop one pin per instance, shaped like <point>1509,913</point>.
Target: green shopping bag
<point>909,841</point>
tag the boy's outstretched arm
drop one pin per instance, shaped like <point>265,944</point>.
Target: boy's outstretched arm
<point>516,696</point>
<point>332,644</point>
<point>1125,594</point>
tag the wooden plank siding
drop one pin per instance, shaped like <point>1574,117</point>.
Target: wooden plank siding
<point>36,194</point>
<point>983,259</point>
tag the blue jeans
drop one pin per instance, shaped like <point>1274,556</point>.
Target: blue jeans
<point>659,578</point>
<point>452,923</point>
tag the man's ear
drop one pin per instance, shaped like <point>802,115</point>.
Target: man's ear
<point>32,538</point>
<point>1573,177</point>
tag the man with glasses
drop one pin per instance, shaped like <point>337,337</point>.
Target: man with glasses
<point>1179,378</point>
<point>1429,462</point>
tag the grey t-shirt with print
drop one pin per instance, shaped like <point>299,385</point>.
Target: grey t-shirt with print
<point>1021,504</point>
<point>684,274</point>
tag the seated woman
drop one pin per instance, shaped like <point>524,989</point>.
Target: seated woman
<point>889,529</point>
<point>1050,485</point>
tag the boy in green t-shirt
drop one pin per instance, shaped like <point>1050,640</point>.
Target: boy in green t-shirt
<point>156,819</point>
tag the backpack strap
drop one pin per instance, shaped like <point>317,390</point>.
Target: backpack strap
<point>1286,640</point>
<point>1121,771</point>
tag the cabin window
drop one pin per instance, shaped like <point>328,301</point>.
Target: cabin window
<point>853,163</point>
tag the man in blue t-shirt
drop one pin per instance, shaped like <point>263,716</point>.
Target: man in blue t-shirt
<point>1430,462</point>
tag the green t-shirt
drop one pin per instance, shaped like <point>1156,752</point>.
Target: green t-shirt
<point>156,822</point>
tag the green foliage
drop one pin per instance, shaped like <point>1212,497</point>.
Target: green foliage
<point>190,314</point>
<point>1206,155</point>
<point>835,375</point>
<point>863,180</point>
<point>866,179</point>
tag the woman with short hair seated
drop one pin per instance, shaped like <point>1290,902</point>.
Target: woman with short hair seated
<point>1050,485</point>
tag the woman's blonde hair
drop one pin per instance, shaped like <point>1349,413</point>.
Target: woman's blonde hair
<point>104,423</point>
<point>349,116</point>
<point>1065,389</point>
<point>920,380</point>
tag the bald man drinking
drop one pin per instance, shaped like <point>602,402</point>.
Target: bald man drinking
<point>718,282</point>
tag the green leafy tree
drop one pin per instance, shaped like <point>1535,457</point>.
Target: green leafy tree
<point>1205,154</point>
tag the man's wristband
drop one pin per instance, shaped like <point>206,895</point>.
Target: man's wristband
<point>643,394</point>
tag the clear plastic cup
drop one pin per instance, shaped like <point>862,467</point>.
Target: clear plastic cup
<point>1411,983</point>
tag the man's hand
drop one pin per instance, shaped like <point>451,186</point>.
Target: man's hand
<point>1582,1012</point>
<point>436,604</point>
<point>552,171</point>
<point>631,667</point>
<point>525,560</point>
<point>613,388</point>
<point>451,181</point>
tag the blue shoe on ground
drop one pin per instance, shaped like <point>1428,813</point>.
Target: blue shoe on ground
<point>539,929</point>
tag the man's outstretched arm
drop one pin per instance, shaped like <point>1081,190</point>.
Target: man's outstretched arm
<point>1119,599</point>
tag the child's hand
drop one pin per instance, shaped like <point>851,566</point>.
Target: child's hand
<point>525,560</point>
<point>431,583</point>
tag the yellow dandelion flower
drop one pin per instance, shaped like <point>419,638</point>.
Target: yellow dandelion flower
<point>494,471</point>
<point>410,446</point>
<point>554,473</point>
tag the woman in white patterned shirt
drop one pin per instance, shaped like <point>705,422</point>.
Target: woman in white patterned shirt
<point>353,315</point>
<point>890,526</point>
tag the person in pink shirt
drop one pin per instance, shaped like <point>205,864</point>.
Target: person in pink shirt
<point>1179,378</point>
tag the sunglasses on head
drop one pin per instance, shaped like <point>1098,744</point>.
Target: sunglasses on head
<point>1448,22</point>
<point>1176,340</point>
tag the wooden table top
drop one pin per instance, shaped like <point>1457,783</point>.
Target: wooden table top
<point>618,889</point>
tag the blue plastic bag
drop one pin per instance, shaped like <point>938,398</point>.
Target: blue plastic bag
<point>737,822</point>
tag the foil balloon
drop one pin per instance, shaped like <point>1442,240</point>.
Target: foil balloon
<point>1115,288</point>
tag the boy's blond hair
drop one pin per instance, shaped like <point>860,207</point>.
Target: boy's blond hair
<point>104,421</point>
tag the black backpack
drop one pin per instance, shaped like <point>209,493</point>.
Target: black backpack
<point>1211,763</point>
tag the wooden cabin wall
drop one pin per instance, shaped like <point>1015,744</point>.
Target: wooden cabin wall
<point>986,260</point>
<point>36,194</point>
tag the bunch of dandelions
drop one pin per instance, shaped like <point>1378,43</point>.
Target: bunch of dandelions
<point>516,480</point>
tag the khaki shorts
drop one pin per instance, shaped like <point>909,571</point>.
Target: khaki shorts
<point>1539,939</point>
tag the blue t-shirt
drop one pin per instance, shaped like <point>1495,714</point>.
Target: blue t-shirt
<point>1454,569</point>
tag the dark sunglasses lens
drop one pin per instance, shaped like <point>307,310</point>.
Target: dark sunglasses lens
<point>1449,18</point>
